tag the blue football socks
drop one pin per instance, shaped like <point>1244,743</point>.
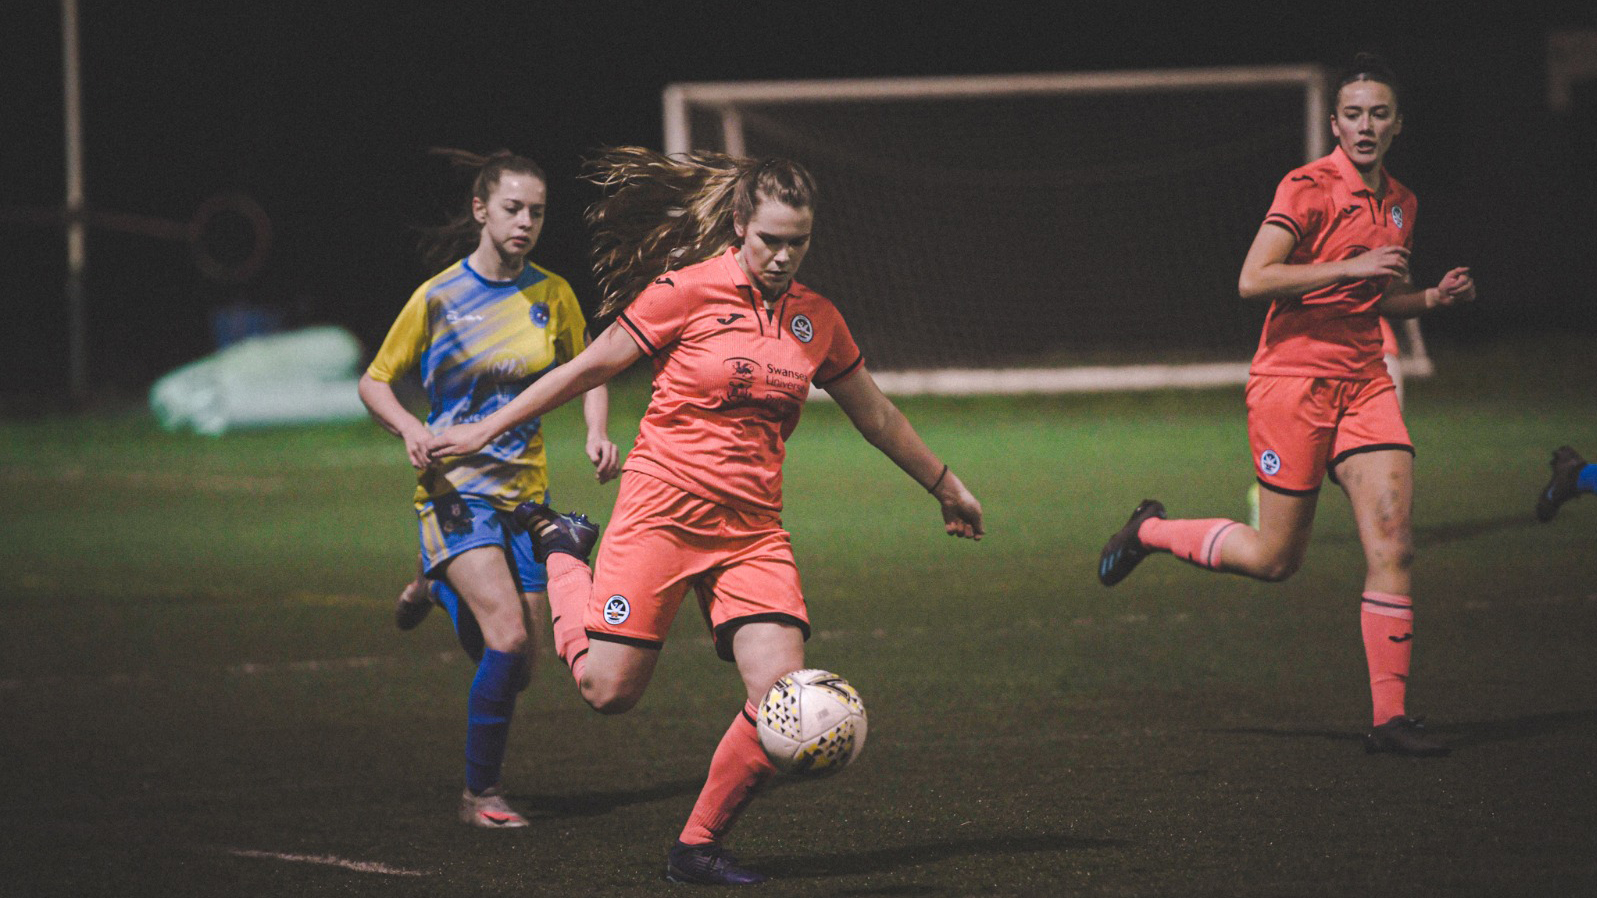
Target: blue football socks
<point>488,710</point>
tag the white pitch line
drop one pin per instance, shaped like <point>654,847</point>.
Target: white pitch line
<point>328,860</point>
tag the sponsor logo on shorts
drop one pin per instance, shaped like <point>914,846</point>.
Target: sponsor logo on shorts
<point>803,328</point>
<point>1269,462</point>
<point>454,517</point>
<point>617,610</point>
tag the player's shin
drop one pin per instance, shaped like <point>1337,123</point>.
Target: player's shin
<point>1198,541</point>
<point>1387,622</point>
<point>570,584</point>
<point>488,709</point>
<point>738,770</point>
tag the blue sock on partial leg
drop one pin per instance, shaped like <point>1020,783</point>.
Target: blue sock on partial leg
<point>1586,480</point>
<point>488,710</point>
<point>466,627</point>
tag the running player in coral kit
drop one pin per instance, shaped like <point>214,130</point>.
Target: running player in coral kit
<point>1332,256</point>
<point>697,254</point>
<point>479,331</point>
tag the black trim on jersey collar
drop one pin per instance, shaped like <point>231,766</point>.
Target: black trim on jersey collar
<point>778,312</point>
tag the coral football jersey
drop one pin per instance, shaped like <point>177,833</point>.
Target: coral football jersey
<point>1334,331</point>
<point>730,379</point>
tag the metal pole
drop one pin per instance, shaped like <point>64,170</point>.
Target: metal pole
<point>77,343</point>
<point>1316,135</point>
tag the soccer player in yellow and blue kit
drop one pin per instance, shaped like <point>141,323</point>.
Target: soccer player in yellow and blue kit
<point>480,332</point>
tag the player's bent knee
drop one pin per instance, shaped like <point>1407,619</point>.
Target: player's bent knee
<point>510,640</point>
<point>610,696</point>
<point>1275,570</point>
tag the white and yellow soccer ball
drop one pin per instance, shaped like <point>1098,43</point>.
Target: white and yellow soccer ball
<point>811,723</point>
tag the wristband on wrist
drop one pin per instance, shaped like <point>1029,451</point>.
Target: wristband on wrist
<point>939,481</point>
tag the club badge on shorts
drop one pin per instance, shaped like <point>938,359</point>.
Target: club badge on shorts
<point>1269,462</point>
<point>617,610</point>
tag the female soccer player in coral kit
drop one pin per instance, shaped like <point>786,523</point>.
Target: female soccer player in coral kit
<point>1331,257</point>
<point>698,254</point>
<point>480,331</point>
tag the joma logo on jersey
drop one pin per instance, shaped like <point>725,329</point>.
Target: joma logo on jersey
<point>454,317</point>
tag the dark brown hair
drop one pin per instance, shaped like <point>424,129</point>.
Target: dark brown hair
<point>1368,67</point>
<point>440,246</point>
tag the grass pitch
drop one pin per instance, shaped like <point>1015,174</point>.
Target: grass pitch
<point>202,692</point>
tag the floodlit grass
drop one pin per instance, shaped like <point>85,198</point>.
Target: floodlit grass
<point>202,692</point>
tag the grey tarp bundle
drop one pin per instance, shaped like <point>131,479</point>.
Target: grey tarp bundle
<point>297,377</point>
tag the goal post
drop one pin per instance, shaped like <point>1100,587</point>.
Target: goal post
<point>1034,232</point>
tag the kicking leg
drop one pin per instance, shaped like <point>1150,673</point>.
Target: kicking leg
<point>1272,552</point>
<point>764,651</point>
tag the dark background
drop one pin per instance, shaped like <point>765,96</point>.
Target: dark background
<point>323,113</point>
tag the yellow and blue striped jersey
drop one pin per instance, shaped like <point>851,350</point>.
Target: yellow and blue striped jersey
<point>478,343</point>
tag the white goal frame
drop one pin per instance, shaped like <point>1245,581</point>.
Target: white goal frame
<point>722,99</point>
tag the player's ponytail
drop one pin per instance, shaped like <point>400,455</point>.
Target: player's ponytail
<point>660,213</point>
<point>442,245</point>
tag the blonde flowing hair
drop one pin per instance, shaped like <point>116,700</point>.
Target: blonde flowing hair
<point>660,213</point>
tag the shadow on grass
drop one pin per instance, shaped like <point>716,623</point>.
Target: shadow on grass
<point>1453,531</point>
<point>589,804</point>
<point>888,860</point>
<point>1531,726</point>
<point>1439,534</point>
<point>1457,735</point>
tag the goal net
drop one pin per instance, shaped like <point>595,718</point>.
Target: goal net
<point>1032,232</point>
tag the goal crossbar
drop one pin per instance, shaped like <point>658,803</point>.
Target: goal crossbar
<point>724,96</point>
<point>723,102</point>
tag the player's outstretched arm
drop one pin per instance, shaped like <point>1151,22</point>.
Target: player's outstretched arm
<point>603,359</point>
<point>886,428</point>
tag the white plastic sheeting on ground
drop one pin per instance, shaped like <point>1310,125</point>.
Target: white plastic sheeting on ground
<point>298,377</point>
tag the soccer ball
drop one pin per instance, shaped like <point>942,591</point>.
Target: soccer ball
<point>811,723</point>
